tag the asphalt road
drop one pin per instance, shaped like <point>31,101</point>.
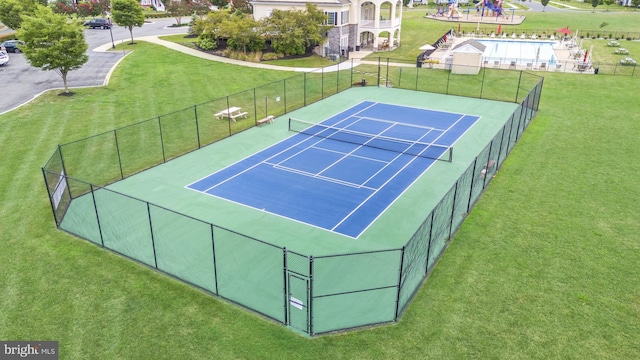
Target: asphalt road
<point>21,82</point>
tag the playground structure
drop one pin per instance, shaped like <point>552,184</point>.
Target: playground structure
<point>448,9</point>
<point>485,12</point>
<point>495,9</point>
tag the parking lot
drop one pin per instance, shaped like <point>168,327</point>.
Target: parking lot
<point>21,82</point>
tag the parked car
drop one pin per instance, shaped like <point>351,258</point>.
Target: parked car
<point>4,58</point>
<point>12,45</point>
<point>98,23</point>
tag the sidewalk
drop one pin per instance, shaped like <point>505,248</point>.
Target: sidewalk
<point>355,56</point>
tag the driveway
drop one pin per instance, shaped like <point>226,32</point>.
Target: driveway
<point>22,82</point>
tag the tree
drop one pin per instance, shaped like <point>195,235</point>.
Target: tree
<point>240,30</point>
<point>52,43</point>
<point>12,10</point>
<point>177,9</point>
<point>594,3</point>
<point>609,2</point>
<point>219,3</point>
<point>545,3</point>
<point>294,31</point>
<point>242,5</point>
<point>200,7</point>
<point>127,13</point>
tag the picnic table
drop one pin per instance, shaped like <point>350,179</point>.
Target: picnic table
<point>621,51</point>
<point>627,61</point>
<point>581,66</point>
<point>231,113</point>
<point>613,43</point>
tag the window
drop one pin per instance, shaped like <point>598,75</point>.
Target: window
<point>344,17</point>
<point>331,18</point>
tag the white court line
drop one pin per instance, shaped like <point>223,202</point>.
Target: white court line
<point>386,182</point>
<point>336,180</point>
<point>277,154</point>
<point>316,176</point>
<point>357,156</point>
<point>416,179</point>
<point>351,152</point>
<point>276,144</point>
<point>400,154</point>
<point>398,123</point>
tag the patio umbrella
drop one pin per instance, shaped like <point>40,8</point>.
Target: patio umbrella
<point>585,56</point>
<point>426,47</point>
<point>565,30</point>
<point>499,28</point>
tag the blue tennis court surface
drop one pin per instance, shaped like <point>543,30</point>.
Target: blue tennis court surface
<point>343,173</point>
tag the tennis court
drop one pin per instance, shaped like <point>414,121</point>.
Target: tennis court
<point>342,173</point>
<point>322,224</point>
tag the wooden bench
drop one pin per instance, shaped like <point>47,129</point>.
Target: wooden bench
<point>268,119</point>
<point>241,114</point>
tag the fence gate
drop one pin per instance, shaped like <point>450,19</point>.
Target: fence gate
<point>298,302</point>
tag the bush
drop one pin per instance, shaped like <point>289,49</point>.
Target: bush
<point>206,43</point>
<point>271,56</point>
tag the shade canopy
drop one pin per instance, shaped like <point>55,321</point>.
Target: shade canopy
<point>565,30</point>
<point>426,47</point>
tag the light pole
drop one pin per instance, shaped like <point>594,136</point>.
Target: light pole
<point>113,45</point>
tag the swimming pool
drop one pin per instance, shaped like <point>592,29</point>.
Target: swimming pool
<point>522,52</point>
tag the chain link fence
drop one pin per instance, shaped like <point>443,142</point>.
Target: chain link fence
<point>313,295</point>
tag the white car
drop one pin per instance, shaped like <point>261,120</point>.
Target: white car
<point>4,58</point>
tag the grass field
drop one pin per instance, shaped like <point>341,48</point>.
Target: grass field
<point>546,265</point>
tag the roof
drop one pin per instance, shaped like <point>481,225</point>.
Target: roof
<point>470,44</point>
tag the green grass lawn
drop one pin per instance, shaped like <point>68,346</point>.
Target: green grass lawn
<point>546,265</point>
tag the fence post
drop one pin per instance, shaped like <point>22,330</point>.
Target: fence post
<point>95,207</point>
<point>46,184</point>
<point>337,77</point>
<point>351,81</point>
<point>518,88</point>
<point>322,82</point>
<point>399,282</point>
<point>64,172</point>
<point>284,284</point>
<point>379,71</point>
<point>486,170</point>
<point>484,71</point>
<point>153,243</point>
<point>473,173</point>
<point>255,107</point>
<point>310,307</point>
<point>228,115</point>
<point>164,159</point>
<point>426,270</point>
<point>453,208</point>
<point>284,95</point>
<point>195,113</point>
<point>115,134</point>
<point>386,80</point>
<point>215,268</point>
<point>417,76</point>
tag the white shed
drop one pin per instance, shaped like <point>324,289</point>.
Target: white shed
<point>467,57</point>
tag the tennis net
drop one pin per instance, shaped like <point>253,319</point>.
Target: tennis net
<point>403,146</point>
